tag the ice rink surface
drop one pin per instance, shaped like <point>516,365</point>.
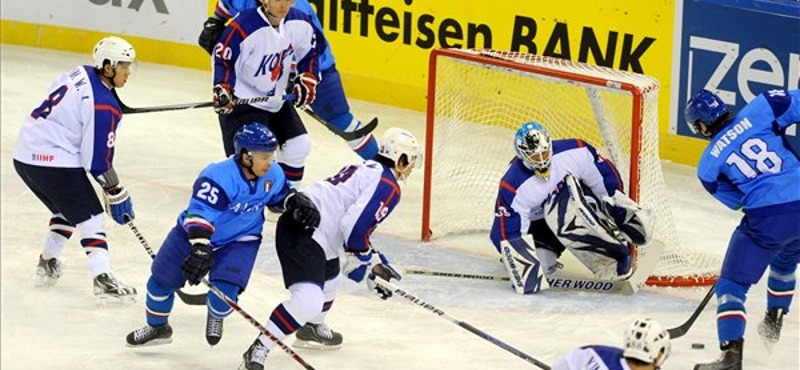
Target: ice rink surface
<point>158,158</point>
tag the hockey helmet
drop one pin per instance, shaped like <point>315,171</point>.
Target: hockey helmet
<point>114,50</point>
<point>645,340</point>
<point>533,147</point>
<point>397,142</point>
<point>705,107</point>
<point>254,137</point>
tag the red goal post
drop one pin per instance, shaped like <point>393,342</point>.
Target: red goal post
<point>478,98</point>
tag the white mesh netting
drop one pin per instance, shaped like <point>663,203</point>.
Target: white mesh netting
<point>482,96</point>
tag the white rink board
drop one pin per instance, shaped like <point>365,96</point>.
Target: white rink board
<point>159,156</point>
<point>169,20</point>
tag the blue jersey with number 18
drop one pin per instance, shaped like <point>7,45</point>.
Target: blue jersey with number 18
<point>749,163</point>
<point>229,205</point>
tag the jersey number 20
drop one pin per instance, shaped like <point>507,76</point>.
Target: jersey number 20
<point>755,150</point>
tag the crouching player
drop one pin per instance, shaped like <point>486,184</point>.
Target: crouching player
<point>352,204</point>
<point>646,348</point>
<point>220,232</point>
<point>566,196</point>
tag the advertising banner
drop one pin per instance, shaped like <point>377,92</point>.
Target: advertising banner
<point>169,20</point>
<point>737,49</point>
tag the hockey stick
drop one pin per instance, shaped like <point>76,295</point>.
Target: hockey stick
<point>679,331</point>
<point>258,325</point>
<point>455,274</point>
<point>190,299</point>
<point>164,108</point>
<point>228,301</point>
<point>351,135</point>
<point>419,302</point>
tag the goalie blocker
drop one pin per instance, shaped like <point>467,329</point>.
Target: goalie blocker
<point>603,235</point>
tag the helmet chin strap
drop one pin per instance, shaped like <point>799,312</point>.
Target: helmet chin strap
<point>249,168</point>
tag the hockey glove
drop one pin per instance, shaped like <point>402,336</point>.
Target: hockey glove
<point>385,272</point>
<point>223,99</point>
<point>212,30</point>
<point>197,263</point>
<point>119,205</point>
<point>358,263</point>
<point>302,209</point>
<point>305,87</point>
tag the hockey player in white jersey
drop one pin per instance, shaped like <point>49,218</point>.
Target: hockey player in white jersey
<point>646,348</point>
<point>352,205</point>
<point>72,133</point>
<point>256,56</point>
<point>567,196</point>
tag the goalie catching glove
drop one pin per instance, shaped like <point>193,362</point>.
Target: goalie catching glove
<point>305,88</point>
<point>359,263</point>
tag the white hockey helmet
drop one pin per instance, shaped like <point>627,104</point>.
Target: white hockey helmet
<point>396,142</point>
<point>114,49</point>
<point>645,340</point>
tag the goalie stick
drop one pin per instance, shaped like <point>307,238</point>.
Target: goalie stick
<point>679,331</point>
<point>190,299</point>
<point>557,281</point>
<point>230,303</point>
<point>419,302</point>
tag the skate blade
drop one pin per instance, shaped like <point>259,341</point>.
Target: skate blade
<point>44,281</point>
<point>102,300</point>
<point>768,344</point>
<point>305,344</point>
<point>154,342</point>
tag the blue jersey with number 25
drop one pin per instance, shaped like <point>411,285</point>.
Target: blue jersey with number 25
<point>228,204</point>
<point>749,164</point>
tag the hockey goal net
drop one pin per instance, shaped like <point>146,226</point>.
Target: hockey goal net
<point>478,98</point>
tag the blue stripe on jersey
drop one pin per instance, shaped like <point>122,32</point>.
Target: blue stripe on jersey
<point>107,116</point>
<point>382,203</point>
<point>612,181</point>
<point>207,191</point>
<point>506,225</point>
<point>611,356</point>
<point>779,102</point>
<point>239,28</point>
<point>326,59</point>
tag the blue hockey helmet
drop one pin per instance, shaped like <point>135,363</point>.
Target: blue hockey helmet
<point>254,137</point>
<point>705,107</point>
<point>533,147</point>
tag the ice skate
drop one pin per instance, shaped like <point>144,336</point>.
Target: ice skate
<point>731,358</point>
<point>213,329</point>
<point>150,336</point>
<point>108,288</point>
<point>770,328</point>
<point>48,271</point>
<point>254,357</point>
<point>317,336</point>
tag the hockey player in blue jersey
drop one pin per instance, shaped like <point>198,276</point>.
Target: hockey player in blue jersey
<point>220,233</point>
<point>330,103</point>
<point>74,132</point>
<point>646,347</point>
<point>542,194</point>
<point>749,165</point>
<point>352,204</point>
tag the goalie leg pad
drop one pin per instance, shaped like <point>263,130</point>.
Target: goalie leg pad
<point>591,235</point>
<point>524,269</point>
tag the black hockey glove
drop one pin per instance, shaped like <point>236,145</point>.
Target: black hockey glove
<point>212,30</point>
<point>385,272</point>
<point>302,210</point>
<point>197,264</point>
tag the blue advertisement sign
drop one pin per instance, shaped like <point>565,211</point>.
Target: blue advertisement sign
<point>738,49</point>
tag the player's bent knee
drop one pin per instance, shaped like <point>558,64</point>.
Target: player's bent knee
<point>307,300</point>
<point>296,150</point>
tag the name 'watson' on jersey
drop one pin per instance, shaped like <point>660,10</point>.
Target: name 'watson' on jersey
<point>255,58</point>
<point>748,163</point>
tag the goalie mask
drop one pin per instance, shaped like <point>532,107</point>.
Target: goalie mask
<point>645,340</point>
<point>533,147</point>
